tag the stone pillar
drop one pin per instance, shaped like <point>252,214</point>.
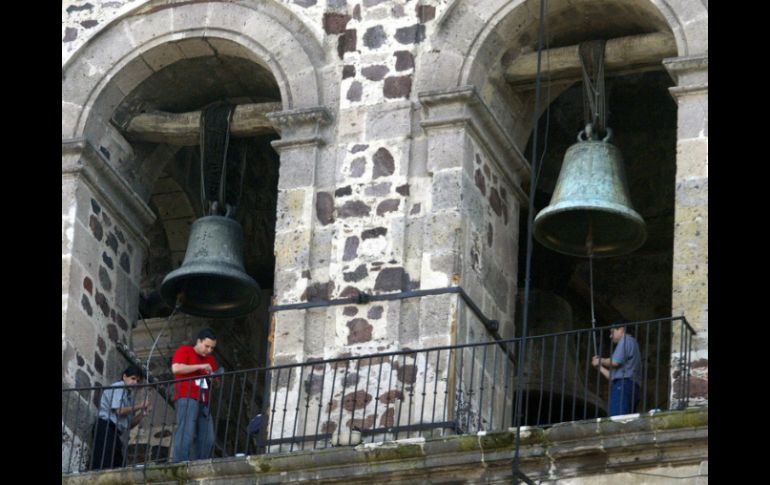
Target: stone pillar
<point>103,246</point>
<point>470,239</point>
<point>690,268</point>
<point>471,235</point>
<point>301,252</point>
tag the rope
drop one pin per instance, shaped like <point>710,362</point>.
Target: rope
<point>214,141</point>
<point>592,67</point>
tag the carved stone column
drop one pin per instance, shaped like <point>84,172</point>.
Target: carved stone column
<point>690,268</point>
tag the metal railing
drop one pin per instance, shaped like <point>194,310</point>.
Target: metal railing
<point>389,396</point>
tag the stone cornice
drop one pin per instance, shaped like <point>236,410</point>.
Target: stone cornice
<point>689,73</point>
<point>464,107</point>
<point>81,159</point>
<point>299,127</point>
<point>573,449</point>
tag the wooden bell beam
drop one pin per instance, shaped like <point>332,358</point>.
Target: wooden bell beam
<point>184,128</point>
<point>622,55</point>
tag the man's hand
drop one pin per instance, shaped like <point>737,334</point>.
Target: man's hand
<point>595,361</point>
<point>206,368</point>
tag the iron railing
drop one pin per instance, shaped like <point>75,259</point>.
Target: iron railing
<point>389,396</point>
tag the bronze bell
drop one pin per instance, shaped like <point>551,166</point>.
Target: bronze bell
<point>590,212</point>
<point>212,281</point>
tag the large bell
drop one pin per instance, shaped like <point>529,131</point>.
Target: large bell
<point>590,213</point>
<point>211,281</point>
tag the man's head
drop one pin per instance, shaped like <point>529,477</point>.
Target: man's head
<point>618,330</point>
<point>132,375</point>
<point>206,342</point>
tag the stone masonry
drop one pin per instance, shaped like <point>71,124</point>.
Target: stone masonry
<point>401,168</point>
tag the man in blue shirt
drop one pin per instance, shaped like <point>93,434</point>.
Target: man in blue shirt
<point>117,415</point>
<point>623,369</point>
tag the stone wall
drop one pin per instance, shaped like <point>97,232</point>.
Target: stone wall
<point>401,165</point>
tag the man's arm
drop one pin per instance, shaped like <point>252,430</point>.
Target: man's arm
<point>190,368</point>
<point>603,365</point>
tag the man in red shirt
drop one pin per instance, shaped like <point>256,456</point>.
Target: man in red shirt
<point>194,439</point>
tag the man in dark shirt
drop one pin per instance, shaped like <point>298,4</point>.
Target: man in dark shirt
<point>623,369</point>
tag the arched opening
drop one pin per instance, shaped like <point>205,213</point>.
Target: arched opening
<point>642,115</point>
<point>169,172</point>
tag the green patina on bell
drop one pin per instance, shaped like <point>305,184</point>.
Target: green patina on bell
<point>590,212</point>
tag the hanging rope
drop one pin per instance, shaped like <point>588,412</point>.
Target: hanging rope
<point>592,68</point>
<point>214,141</point>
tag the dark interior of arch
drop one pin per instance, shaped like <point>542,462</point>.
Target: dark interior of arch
<point>636,286</point>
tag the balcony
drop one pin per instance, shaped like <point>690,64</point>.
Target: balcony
<point>432,395</point>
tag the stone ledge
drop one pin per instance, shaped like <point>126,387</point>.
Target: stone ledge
<point>605,445</point>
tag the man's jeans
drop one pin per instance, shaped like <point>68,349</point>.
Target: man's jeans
<point>624,396</point>
<point>194,429</point>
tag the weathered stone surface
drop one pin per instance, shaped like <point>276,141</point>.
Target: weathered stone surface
<point>354,208</point>
<point>494,201</point>
<point>347,42</point>
<point>388,418</point>
<point>367,423</point>
<point>351,248</point>
<point>397,87</point>
<point>404,60</point>
<point>390,279</point>
<point>407,374</point>
<point>101,344</point>
<point>360,331</point>
<point>372,3</point>
<point>389,205</point>
<point>378,190</point>
<point>101,302</point>
<point>88,285</point>
<point>125,263</point>
<point>112,242</point>
<point>373,233</point>
<point>357,275</point>
<point>305,3</point>
<point>356,400</point>
<point>350,311</point>
<point>335,23</point>
<point>104,279</point>
<point>112,332</point>
<point>350,292</point>
<point>410,35</point>
<point>375,312</point>
<point>383,163</point>
<point>374,73</point>
<point>70,34</point>
<point>357,167</point>
<point>348,71</point>
<point>328,427</point>
<point>318,291</point>
<point>425,13</point>
<point>480,181</point>
<point>375,37</point>
<point>490,235</point>
<point>95,206</point>
<point>415,209</point>
<point>86,304</point>
<point>107,261</point>
<point>98,363</point>
<point>351,380</point>
<point>314,384</point>
<point>343,191</point>
<point>82,379</point>
<point>324,208</point>
<point>121,322</point>
<point>96,227</point>
<point>391,396</point>
<point>355,91</point>
<point>358,148</point>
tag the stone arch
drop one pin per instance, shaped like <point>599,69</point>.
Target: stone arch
<point>472,37</point>
<point>110,64</point>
